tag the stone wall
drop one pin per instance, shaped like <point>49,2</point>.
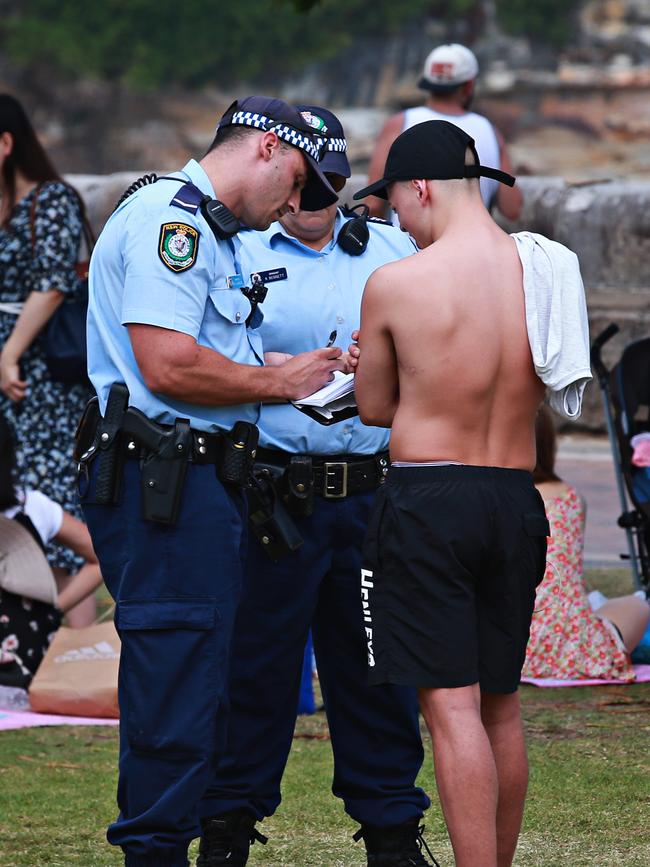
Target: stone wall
<point>606,224</point>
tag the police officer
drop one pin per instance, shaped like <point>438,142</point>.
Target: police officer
<point>317,264</point>
<point>175,357</point>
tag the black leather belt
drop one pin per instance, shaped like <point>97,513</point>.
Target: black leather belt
<point>206,447</point>
<point>335,476</point>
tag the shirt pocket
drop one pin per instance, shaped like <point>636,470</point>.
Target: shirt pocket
<point>231,304</point>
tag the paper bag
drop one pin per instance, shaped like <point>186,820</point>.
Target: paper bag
<point>78,675</point>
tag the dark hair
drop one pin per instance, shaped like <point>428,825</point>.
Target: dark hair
<point>7,466</point>
<point>27,155</point>
<point>232,134</point>
<point>444,91</point>
<point>545,441</point>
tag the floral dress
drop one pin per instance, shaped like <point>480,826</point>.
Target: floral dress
<point>567,640</point>
<point>44,422</point>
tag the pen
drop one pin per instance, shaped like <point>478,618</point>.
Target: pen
<point>332,338</point>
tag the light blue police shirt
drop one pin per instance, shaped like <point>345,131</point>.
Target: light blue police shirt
<point>322,292</point>
<point>129,283</point>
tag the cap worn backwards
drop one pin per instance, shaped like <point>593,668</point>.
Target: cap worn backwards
<point>435,151</point>
<point>275,115</point>
<point>322,121</point>
<point>447,67</point>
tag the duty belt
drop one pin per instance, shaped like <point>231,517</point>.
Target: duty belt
<point>332,476</point>
<point>164,452</point>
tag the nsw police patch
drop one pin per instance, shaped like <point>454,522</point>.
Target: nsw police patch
<point>178,246</point>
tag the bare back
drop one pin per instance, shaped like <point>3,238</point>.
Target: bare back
<point>468,391</point>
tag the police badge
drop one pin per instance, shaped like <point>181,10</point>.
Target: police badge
<point>178,246</point>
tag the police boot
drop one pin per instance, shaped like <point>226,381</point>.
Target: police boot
<point>396,846</point>
<point>226,839</point>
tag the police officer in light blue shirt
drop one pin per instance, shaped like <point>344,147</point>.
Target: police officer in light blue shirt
<point>175,356</point>
<point>315,266</point>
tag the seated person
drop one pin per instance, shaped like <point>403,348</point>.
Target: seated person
<point>26,623</point>
<point>568,639</point>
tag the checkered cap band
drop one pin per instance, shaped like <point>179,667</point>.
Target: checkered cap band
<point>338,145</point>
<point>283,131</point>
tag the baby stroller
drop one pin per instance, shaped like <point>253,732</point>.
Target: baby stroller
<point>626,396</point>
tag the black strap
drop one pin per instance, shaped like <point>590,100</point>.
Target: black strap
<point>486,172</point>
<point>25,521</point>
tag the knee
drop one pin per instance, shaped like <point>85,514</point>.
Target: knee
<point>498,709</point>
<point>443,708</point>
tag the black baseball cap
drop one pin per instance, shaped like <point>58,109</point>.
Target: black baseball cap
<point>270,114</point>
<point>325,123</point>
<point>434,151</point>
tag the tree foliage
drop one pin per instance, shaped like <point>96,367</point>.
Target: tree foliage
<point>549,21</point>
<point>154,43</point>
<point>149,43</point>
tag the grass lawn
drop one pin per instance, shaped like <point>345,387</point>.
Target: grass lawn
<point>588,801</point>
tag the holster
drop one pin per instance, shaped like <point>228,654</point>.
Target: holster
<point>270,522</point>
<point>84,436</point>
<point>237,456</point>
<point>164,464</point>
<point>109,473</point>
<point>299,486</point>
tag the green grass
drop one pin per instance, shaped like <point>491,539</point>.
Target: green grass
<point>588,801</point>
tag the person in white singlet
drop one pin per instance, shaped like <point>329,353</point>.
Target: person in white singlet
<point>449,76</point>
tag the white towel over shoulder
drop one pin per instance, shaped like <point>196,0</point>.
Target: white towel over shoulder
<point>556,319</point>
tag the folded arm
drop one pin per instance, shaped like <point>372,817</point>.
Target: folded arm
<point>376,381</point>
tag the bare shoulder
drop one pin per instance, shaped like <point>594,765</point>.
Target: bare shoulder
<point>389,277</point>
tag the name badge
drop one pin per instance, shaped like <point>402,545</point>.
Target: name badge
<point>236,281</point>
<point>271,276</point>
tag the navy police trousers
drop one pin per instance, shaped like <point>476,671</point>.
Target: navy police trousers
<point>374,730</point>
<point>176,590</point>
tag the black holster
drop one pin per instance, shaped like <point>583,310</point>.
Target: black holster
<point>299,486</point>
<point>270,522</point>
<point>237,455</point>
<point>109,444</point>
<point>163,474</point>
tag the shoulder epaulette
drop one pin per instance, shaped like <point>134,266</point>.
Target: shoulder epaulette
<point>380,220</point>
<point>188,198</point>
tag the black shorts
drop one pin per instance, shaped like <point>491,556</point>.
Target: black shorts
<point>451,562</point>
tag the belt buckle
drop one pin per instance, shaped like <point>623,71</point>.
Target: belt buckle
<point>332,480</point>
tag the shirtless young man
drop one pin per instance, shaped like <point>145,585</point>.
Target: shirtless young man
<point>454,551</point>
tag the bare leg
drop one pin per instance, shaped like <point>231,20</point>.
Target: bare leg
<point>501,717</point>
<point>630,614</point>
<point>466,773</point>
<point>84,612</point>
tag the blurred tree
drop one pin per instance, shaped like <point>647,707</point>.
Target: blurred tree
<point>550,21</point>
<point>148,43</point>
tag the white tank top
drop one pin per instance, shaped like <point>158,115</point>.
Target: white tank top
<point>480,129</point>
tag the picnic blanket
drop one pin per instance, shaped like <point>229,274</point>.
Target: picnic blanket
<point>641,674</point>
<point>15,713</point>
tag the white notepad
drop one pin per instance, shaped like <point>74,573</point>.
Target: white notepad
<point>335,397</point>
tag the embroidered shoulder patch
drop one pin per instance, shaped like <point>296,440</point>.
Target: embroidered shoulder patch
<point>178,246</point>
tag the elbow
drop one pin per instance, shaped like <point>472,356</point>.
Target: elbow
<point>166,374</point>
<point>376,419</point>
<point>374,415</point>
<point>511,206</point>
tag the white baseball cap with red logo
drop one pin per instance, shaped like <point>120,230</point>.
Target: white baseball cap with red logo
<point>447,67</point>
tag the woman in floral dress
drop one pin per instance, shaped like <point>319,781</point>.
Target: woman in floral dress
<point>567,639</point>
<point>41,225</point>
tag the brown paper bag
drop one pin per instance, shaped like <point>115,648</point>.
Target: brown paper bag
<point>78,675</point>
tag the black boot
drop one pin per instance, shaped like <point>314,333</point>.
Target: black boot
<point>226,839</point>
<point>396,846</point>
